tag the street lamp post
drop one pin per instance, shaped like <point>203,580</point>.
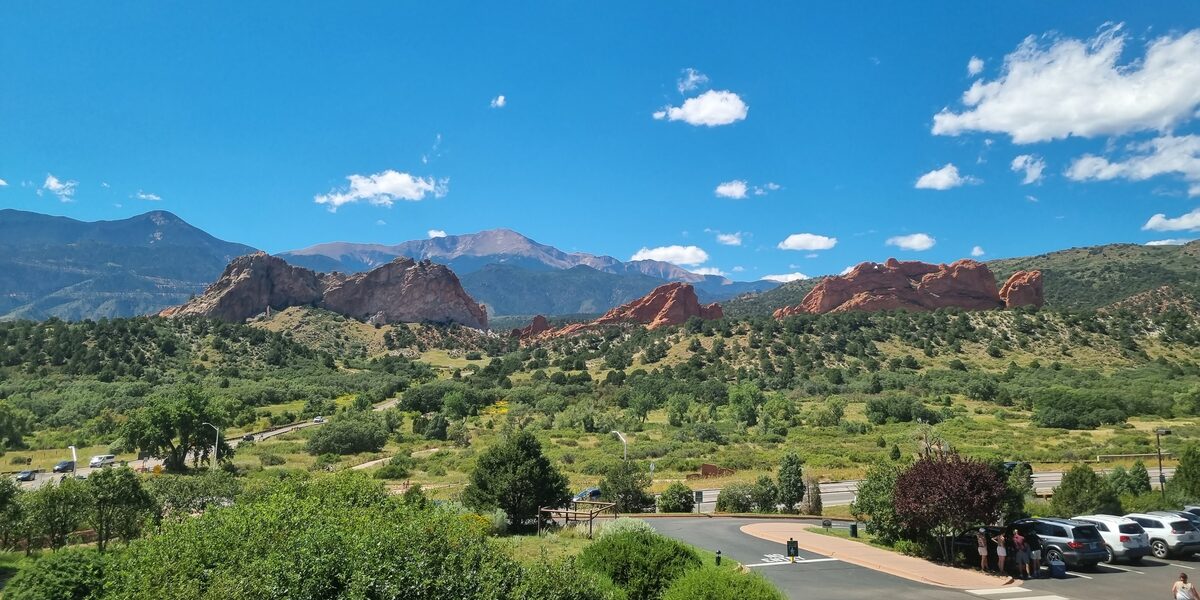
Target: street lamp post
<point>74,460</point>
<point>216,445</point>
<point>623,443</point>
<point>1162,479</point>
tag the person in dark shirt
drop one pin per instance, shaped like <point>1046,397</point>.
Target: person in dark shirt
<point>1034,543</point>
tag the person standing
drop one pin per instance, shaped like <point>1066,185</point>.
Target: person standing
<point>1022,554</point>
<point>1035,552</point>
<point>981,543</point>
<point>1182,590</point>
<point>1001,550</point>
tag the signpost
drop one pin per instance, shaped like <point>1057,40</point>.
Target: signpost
<point>793,550</point>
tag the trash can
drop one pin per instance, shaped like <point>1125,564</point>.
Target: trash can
<point>854,530</point>
<point>1058,569</point>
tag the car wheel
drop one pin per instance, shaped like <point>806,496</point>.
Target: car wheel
<point>1054,554</point>
<point>1110,556</point>
<point>1159,549</point>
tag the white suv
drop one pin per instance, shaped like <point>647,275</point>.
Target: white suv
<point>1123,538</point>
<point>1168,535</point>
<point>102,460</point>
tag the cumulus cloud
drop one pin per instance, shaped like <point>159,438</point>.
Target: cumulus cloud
<point>1053,87</point>
<point>65,190</point>
<point>690,80</point>
<point>763,190</point>
<point>729,239</point>
<point>974,66</point>
<point>735,189</point>
<point>1165,155</point>
<point>977,251</point>
<point>786,277</point>
<point>140,195</point>
<point>384,189</point>
<point>738,269</point>
<point>499,101</point>
<point>3,183</point>
<point>380,222</point>
<point>1169,242</point>
<point>712,108</point>
<point>677,255</point>
<point>708,271</point>
<point>916,242</point>
<point>435,233</point>
<point>1031,165</point>
<point>807,241</point>
<point>942,179</point>
<point>1186,222</point>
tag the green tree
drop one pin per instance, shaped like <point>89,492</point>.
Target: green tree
<point>765,495</point>
<point>55,511</point>
<point>73,574</point>
<point>744,400</point>
<point>515,476</point>
<point>1139,478</point>
<point>874,502</point>
<point>349,433</point>
<point>677,498</point>
<point>625,484</point>
<point>736,497</point>
<point>171,427</point>
<point>15,424</point>
<point>812,504</point>
<point>119,505</point>
<point>178,497</point>
<point>1082,492</point>
<point>1185,483</point>
<point>10,512</point>
<point>791,481</point>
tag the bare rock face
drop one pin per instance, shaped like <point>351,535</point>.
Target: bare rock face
<point>1024,288</point>
<point>402,291</point>
<point>536,327</point>
<point>670,304</point>
<point>908,285</point>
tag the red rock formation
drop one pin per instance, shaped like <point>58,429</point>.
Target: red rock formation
<point>1024,288</point>
<point>402,291</point>
<point>912,285</point>
<point>536,327</point>
<point>670,304</point>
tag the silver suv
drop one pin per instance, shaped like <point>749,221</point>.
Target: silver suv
<point>1123,538</point>
<point>1170,535</point>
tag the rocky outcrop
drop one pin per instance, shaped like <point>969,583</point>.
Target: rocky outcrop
<point>670,304</point>
<point>1024,288</point>
<point>402,291</point>
<point>914,286</point>
<point>536,327</point>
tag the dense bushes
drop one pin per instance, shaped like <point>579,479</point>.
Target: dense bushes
<point>641,563</point>
<point>677,498</point>
<point>349,433</point>
<point>65,575</point>
<point>712,583</point>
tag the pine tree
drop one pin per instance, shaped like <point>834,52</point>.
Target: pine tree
<point>791,481</point>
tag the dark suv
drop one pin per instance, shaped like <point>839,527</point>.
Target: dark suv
<point>1076,543</point>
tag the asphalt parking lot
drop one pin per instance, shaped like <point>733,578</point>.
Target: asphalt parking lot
<point>817,576</point>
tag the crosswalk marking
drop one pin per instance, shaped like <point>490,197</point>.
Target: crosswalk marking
<point>1003,590</point>
<point>799,561</point>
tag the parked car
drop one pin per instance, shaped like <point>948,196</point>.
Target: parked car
<point>26,476</point>
<point>64,466</point>
<point>249,437</point>
<point>592,493</point>
<point>1170,535</point>
<point>1011,465</point>
<point>318,419</point>
<point>1194,518</point>
<point>1123,538</point>
<point>966,545</point>
<point>102,460</point>
<point>1195,510</point>
<point>1077,543</point>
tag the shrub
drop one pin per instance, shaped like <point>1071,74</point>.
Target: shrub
<point>399,467</point>
<point>624,525</point>
<point>736,498</point>
<point>712,583</point>
<point>564,580</point>
<point>677,498</point>
<point>270,460</point>
<point>641,563</point>
<point>64,575</point>
<point>349,433</point>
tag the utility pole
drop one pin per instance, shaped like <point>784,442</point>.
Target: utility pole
<point>1162,479</point>
<point>74,460</point>
<point>623,443</point>
<point>216,445</point>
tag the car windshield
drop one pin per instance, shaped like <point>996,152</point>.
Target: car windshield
<point>1182,526</point>
<point>1087,532</point>
<point>1130,528</point>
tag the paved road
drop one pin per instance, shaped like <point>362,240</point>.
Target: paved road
<point>820,577</point>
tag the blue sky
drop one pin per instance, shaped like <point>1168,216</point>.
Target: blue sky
<point>248,122</point>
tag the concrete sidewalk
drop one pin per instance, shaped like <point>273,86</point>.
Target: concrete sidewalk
<point>871,557</point>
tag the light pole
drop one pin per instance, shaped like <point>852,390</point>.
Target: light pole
<point>623,443</point>
<point>216,445</point>
<point>1162,479</point>
<point>74,460</point>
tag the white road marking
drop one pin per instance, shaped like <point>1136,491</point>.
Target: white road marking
<point>798,562</point>
<point>1043,598</point>
<point>1003,590</point>
<point>1074,574</point>
<point>1107,566</point>
<point>1180,566</point>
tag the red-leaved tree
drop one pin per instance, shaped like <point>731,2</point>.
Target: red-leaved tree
<point>945,495</point>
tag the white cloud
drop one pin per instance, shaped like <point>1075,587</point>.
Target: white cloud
<point>383,189</point>
<point>974,66</point>
<point>730,239</point>
<point>807,241</point>
<point>942,179</point>
<point>977,251</point>
<point>690,80</point>
<point>140,195</point>
<point>1075,87</point>
<point>3,183</point>
<point>499,101</point>
<point>1187,222</point>
<point>847,270</point>
<point>65,190</point>
<point>711,108</point>
<point>435,233</point>
<point>1169,242</point>
<point>786,277</point>
<point>738,269</point>
<point>735,189</point>
<point>915,241</point>
<point>1163,155</point>
<point>104,184</point>
<point>708,271</point>
<point>1031,198</point>
<point>763,190</point>
<point>381,222</point>
<point>678,255</point>
<point>1031,165</point>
